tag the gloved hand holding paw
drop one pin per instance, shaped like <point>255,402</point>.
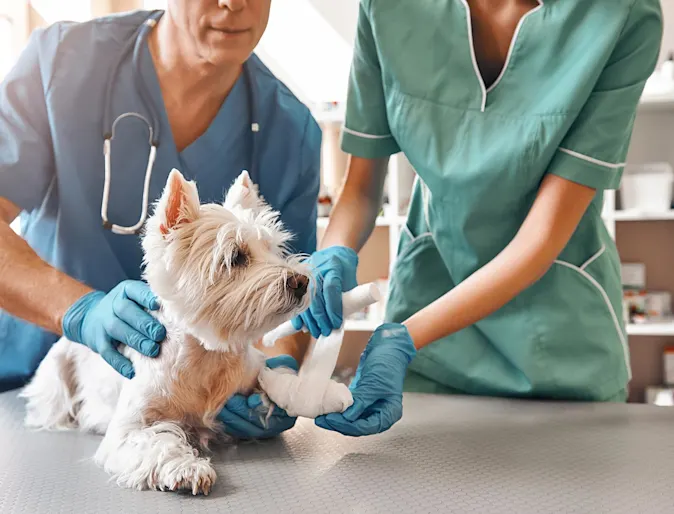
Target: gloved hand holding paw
<point>377,388</point>
<point>247,418</point>
<point>335,269</point>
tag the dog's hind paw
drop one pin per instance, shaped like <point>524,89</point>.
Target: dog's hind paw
<point>196,477</point>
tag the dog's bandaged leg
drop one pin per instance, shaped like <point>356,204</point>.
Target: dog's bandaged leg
<point>312,392</point>
<point>352,301</point>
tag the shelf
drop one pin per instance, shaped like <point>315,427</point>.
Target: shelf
<point>653,102</point>
<point>651,329</point>
<point>353,325</point>
<point>640,215</point>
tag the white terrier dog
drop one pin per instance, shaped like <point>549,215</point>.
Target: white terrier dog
<point>224,279</point>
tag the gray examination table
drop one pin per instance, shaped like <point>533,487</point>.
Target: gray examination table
<point>448,454</point>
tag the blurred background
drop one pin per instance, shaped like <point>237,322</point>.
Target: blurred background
<point>308,45</point>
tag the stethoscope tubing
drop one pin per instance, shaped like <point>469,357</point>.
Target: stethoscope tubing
<point>153,127</point>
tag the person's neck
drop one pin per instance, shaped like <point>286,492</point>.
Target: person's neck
<point>189,74</point>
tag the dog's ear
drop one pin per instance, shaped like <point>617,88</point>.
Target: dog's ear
<point>243,193</point>
<point>179,202</point>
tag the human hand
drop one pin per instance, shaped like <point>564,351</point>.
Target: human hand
<point>335,268</point>
<point>245,417</point>
<point>377,388</point>
<point>99,321</point>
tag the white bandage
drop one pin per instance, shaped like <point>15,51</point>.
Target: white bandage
<point>312,392</point>
<point>352,301</point>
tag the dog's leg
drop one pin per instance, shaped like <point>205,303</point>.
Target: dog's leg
<point>255,363</point>
<point>50,394</point>
<point>98,393</point>
<point>151,457</point>
<point>311,392</point>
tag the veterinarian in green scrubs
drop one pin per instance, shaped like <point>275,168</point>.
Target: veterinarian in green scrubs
<point>516,117</point>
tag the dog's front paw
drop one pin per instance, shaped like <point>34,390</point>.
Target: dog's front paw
<point>302,395</point>
<point>337,398</point>
<point>194,475</point>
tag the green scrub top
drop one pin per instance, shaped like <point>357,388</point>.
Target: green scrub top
<point>564,104</point>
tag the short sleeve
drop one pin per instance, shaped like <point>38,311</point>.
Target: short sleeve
<point>26,157</point>
<point>299,215</point>
<point>366,131</point>
<point>594,150</point>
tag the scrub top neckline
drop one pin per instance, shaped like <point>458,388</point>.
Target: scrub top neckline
<point>513,45</point>
<point>199,150</point>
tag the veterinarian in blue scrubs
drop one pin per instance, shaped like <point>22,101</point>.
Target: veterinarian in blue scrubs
<point>517,115</point>
<point>215,110</point>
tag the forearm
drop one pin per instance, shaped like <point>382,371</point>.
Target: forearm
<point>547,229</point>
<point>483,293</point>
<point>353,217</point>
<point>30,288</point>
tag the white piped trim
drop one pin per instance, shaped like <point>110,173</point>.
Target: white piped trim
<point>365,136</point>
<point>592,159</point>
<point>594,257</point>
<point>425,200</point>
<point>469,18</point>
<point>512,44</point>
<point>591,279</point>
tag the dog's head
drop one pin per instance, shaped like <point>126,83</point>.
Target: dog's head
<point>223,270</point>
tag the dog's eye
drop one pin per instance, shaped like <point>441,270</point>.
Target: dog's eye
<point>239,258</point>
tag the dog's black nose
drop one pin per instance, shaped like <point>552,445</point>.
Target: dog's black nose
<point>297,284</point>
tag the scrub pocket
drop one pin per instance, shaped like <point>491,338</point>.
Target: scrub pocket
<point>419,276</point>
<point>576,312</point>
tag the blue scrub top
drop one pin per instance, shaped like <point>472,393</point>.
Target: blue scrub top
<point>51,160</point>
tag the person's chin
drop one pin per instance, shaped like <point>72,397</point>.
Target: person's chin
<point>228,47</point>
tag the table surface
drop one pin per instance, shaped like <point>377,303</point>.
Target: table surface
<point>447,454</point>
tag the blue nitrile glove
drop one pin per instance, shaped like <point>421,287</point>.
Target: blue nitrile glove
<point>335,273</point>
<point>377,388</point>
<point>245,418</point>
<point>100,321</point>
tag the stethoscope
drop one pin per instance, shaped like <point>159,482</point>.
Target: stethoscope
<point>153,126</point>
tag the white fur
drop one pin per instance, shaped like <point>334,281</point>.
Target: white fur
<point>205,296</point>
